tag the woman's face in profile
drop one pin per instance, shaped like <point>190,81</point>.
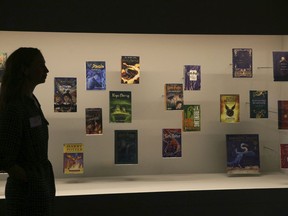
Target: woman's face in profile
<point>37,72</point>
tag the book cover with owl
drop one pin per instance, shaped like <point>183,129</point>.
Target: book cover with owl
<point>258,104</point>
<point>229,108</point>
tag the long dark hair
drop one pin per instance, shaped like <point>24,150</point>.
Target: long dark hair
<point>14,81</point>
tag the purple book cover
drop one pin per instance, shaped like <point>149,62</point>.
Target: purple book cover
<point>192,77</point>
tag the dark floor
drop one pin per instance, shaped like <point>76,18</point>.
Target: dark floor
<point>252,202</point>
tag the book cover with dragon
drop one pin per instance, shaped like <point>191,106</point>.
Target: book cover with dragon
<point>73,158</point>
<point>229,108</point>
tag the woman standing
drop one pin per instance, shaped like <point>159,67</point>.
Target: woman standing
<point>30,187</point>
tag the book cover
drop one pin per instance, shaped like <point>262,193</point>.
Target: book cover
<point>171,143</point>
<point>242,154</point>
<point>229,108</point>
<point>192,77</point>
<point>284,156</point>
<point>65,94</point>
<point>120,106</point>
<point>174,96</point>
<point>130,69</point>
<point>73,158</point>
<point>94,124</point>
<point>95,75</point>
<point>3,57</point>
<point>282,114</point>
<point>242,62</point>
<point>258,104</point>
<point>191,118</point>
<point>280,65</point>
<point>126,147</point>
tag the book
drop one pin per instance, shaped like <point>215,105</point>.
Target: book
<point>95,75</point>
<point>3,58</point>
<point>192,77</point>
<point>120,106</point>
<point>171,143</point>
<point>94,124</point>
<point>130,69</point>
<point>282,114</point>
<point>280,66</point>
<point>284,156</point>
<point>191,118</point>
<point>174,96</point>
<point>65,94</point>
<point>243,154</point>
<point>229,108</point>
<point>126,147</point>
<point>258,104</point>
<point>242,62</point>
<point>73,158</point>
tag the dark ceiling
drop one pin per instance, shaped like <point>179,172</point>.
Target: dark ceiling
<point>151,17</point>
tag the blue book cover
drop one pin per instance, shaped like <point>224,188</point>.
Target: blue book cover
<point>280,66</point>
<point>258,104</point>
<point>242,154</point>
<point>95,75</point>
<point>242,62</point>
<point>192,77</point>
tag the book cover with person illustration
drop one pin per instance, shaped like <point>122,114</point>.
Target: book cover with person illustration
<point>174,96</point>
<point>130,69</point>
<point>284,156</point>
<point>126,147</point>
<point>65,94</point>
<point>73,158</point>
<point>192,77</point>
<point>94,124</point>
<point>3,57</point>
<point>229,108</point>
<point>258,104</point>
<point>95,75</point>
<point>191,118</point>
<point>243,154</point>
<point>171,143</point>
<point>280,65</point>
<point>120,106</point>
<point>283,114</point>
<point>242,62</point>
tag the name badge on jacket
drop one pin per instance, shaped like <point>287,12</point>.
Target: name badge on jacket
<point>35,121</point>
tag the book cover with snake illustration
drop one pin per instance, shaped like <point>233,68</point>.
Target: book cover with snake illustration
<point>229,108</point>
<point>191,118</point>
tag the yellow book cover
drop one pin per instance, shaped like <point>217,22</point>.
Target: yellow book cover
<point>229,108</point>
<point>73,158</point>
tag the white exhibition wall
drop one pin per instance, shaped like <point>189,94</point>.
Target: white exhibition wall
<point>162,58</point>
